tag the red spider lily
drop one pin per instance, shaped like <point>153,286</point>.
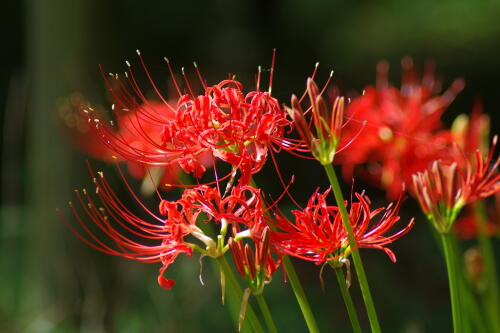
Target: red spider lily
<point>403,132</point>
<point>444,190</point>
<point>317,232</point>
<point>122,233</point>
<point>327,125</point>
<point>255,266</point>
<point>223,122</point>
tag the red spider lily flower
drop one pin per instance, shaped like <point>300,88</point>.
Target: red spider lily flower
<point>444,190</point>
<point>324,142</point>
<point>403,133</point>
<point>223,122</point>
<point>471,135</point>
<point>317,232</point>
<point>255,266</point>
<point>121,233</point>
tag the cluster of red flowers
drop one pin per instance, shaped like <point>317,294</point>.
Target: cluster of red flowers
<point>238,128</point>
<point>222,123</point>
<point>394,135</point>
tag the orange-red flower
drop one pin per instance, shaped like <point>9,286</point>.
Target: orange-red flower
<point>403,133</point>
<point>317,233</point>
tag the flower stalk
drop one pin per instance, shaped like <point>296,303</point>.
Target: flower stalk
<point>268,318</point>
<point>451,264</point>
<point>300,295</point>
<point>346,295</point>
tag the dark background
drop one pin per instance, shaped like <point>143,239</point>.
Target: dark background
<point>51,282</point>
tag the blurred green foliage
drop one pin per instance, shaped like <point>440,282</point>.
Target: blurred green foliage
<point>51,282</point>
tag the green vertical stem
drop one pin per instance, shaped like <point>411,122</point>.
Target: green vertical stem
<point>491,294</point>
<point>353,316</point>
<point>297,288</point>
<point>266,313</point>
<point>300,295</point>
<point>453,279</point>
<point>466,298</point>
<point>235,288</point>
<point>356,258</point>
<point>473,318</point>
<point>470,308</point>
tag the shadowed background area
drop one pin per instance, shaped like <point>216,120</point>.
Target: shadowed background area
<point>52,282</point>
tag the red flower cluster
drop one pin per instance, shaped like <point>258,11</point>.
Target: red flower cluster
<point>226,124</point>
<point>164,239</point>
<point>223,122</point>
<point>403,132</point>
<point>317,232</point>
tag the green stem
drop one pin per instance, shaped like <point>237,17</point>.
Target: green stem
<point>467,303</point>
<point>356,258</point>
<point>236,290</point>
<point>297,288</point>
<point>451,264</point>
<point>353,316</point>
<point>491,294</point>
<point>300,295</point>
<point>266,313</point>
